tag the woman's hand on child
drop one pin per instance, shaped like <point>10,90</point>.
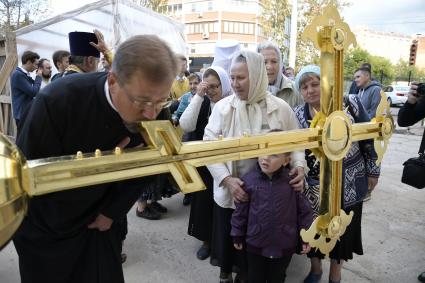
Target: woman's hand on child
<point>297,182</point>
<point>235,184</point>
<point>306,248</point>
<point>238,246</point>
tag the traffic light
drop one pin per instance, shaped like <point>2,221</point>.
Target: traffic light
<point>413,49</point>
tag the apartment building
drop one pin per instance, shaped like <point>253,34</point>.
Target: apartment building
<point>392,46</point>
<point>207,22</point>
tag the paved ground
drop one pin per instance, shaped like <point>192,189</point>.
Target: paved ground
<point>393,236</point>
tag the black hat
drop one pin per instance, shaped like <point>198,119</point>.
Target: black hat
<point>79,44</point>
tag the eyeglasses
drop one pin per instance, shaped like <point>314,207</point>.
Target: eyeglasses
<point>144,104</point>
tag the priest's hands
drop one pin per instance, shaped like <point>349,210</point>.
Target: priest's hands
<point>102,223</point>
<point>101,45</point>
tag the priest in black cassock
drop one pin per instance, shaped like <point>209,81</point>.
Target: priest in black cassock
<point>75,235</point>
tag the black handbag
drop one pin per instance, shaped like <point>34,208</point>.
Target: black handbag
<point>414,169</point>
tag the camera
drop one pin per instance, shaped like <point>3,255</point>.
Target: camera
<point>421,89</point>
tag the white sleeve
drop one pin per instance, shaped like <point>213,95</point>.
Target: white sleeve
<point>213,129</point>
<point>297,157</point>
<point>190,115</point>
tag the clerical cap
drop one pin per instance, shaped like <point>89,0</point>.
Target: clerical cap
<point>223,53</point>
<point>79,44</point>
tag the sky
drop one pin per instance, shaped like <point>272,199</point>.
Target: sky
<point>399,16</point>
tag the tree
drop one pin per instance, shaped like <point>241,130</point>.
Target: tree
<point>402,69</point>
<point>382,69</point>
<point>19,13</point>
<point>353,58</point>
<point>155,5</point>
<point>308,9</point>
<point>273,18</point>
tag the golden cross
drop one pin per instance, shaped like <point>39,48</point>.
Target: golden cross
<point>330,138</point>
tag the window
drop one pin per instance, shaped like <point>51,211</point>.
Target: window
<point>238,27</point>
<point>193,7</point>
<point>210,6</point>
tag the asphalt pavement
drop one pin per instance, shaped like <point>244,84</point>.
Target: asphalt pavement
<point>393,230</point>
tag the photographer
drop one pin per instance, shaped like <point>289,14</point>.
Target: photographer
<point>414,109</point>
<point>412,112</point>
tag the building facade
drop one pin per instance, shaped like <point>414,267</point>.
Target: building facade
<point>207,22</point>
<point>420,53</point>
<point>390,45</point>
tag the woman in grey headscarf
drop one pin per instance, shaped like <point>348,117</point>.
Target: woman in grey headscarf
<point>252,110</point>
<point>278,85</point>
<point>214,86</point>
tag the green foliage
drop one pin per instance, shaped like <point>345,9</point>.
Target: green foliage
<point>15,14</point>
<point>402,70</point>
<point>353,58</point>
<point>273,19</point>
<point>382,69</point>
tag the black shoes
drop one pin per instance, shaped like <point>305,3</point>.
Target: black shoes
<point>152,211</point>
<point>187,199</point>
<point>158,207</point>
<point>123,258</point>
<point>148,213</point>
<point>203,253</point>
<point>421,277</point>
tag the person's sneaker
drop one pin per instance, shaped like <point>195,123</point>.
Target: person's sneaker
<point>203,253</point>
<point>158,207</point>
<point>313,278</point>
<point>187,199</point>
<point>148,213</point>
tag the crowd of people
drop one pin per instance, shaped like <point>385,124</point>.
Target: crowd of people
<point>249,217</point>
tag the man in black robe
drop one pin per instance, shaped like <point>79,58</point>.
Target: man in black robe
<point>75,235</point>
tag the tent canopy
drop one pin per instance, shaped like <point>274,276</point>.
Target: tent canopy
<point>116,19</point>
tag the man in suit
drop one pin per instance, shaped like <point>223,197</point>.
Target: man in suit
<point>24,87</point>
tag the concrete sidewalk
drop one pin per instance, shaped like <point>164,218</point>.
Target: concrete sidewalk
<point>393,237</point>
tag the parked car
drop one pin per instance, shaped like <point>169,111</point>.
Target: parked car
<point>396,94</point>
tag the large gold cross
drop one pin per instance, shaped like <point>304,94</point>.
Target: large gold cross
<point>330,138</point>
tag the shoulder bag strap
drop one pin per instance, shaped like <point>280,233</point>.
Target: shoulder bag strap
<point>422,147</point>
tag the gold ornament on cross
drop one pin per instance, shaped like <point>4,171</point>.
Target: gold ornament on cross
<point>330,137</point>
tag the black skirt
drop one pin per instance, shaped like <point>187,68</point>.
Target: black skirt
<point>201,210</point>
<point>157,187</point>
<point>350,242</point>
<point>223,254</point>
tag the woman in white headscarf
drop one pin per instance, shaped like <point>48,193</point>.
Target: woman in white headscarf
<point>278,85</point>
<point>252,110</point>
<point>214,86</point>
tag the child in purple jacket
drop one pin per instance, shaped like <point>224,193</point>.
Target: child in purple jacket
<point>269,223</point>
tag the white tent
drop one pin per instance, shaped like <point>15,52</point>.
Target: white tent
<point>116,19</point>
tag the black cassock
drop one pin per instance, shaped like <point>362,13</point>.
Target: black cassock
<point>54,244</point>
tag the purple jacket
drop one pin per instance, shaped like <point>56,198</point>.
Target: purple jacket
<point>271,220</point>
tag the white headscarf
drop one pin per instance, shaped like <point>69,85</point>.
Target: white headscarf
<point>248,115</point>
<point>226,89</point>
<point>277,86</point>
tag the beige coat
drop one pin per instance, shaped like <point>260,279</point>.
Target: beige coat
<point>279,115</point>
